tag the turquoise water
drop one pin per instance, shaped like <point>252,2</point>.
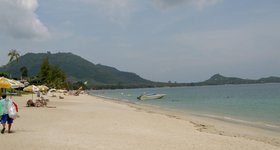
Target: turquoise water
<point>257,104</point>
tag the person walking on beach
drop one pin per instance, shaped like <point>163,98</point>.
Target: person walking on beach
<point>5,102</point>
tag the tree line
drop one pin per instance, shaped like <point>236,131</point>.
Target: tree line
<point>51,76</point>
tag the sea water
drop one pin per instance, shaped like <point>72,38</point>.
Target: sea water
<point>255,104</point>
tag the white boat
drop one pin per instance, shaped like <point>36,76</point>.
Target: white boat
<point>150,96</point>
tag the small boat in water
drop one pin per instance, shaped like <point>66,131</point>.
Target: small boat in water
<point>150,96</point>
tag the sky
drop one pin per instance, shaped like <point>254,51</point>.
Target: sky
<point>160,40</point>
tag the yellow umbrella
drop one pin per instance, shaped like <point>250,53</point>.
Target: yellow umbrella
<point>4,83</point>
<point>31,88</point>
<point>9,83</point>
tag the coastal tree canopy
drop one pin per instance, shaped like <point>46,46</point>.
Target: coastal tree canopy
<point>52,76</point>
<point>45,69</point>
<point>2,74</point>
<point>24,72</point>
<point>14,55</point>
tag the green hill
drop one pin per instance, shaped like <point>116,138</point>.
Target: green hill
<point>75,67</point>
<point>218,79</point>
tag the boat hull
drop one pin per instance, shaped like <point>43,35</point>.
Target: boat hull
<point>147,97</point>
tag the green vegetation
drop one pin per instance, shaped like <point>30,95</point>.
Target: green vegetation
<point>14,55</point>
<point>52,76</point>
<point>24,72</point>
<point>2,74</point>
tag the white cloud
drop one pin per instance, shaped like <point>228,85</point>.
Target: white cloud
<point>118,11</point>
<point>199,4</point>
<point>18,20</point>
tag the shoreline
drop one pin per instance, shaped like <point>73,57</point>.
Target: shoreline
<point>260,125</point>
<point>89,122</point>
<point>209,124</point>
<point>236,106</point>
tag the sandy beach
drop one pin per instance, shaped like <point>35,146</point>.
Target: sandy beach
<point>87,122</point>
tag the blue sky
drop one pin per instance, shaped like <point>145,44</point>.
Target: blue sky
<point>160,40</point>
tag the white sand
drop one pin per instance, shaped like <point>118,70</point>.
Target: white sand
<point>87,122</point>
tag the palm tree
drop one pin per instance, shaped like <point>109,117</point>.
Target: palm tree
<point>14,55</point>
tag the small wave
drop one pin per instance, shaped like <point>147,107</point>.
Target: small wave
<point>106,97</point>
<point>114,98</point>
<point>272,126</point>
<point>234,120</point>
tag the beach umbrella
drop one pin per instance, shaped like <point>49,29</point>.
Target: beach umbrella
<point>15,84</point>
<point>9,83</point>
<point>19,83</point>
<point>31,88</point>
<point>4,83</point>
<point>43,88</point>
